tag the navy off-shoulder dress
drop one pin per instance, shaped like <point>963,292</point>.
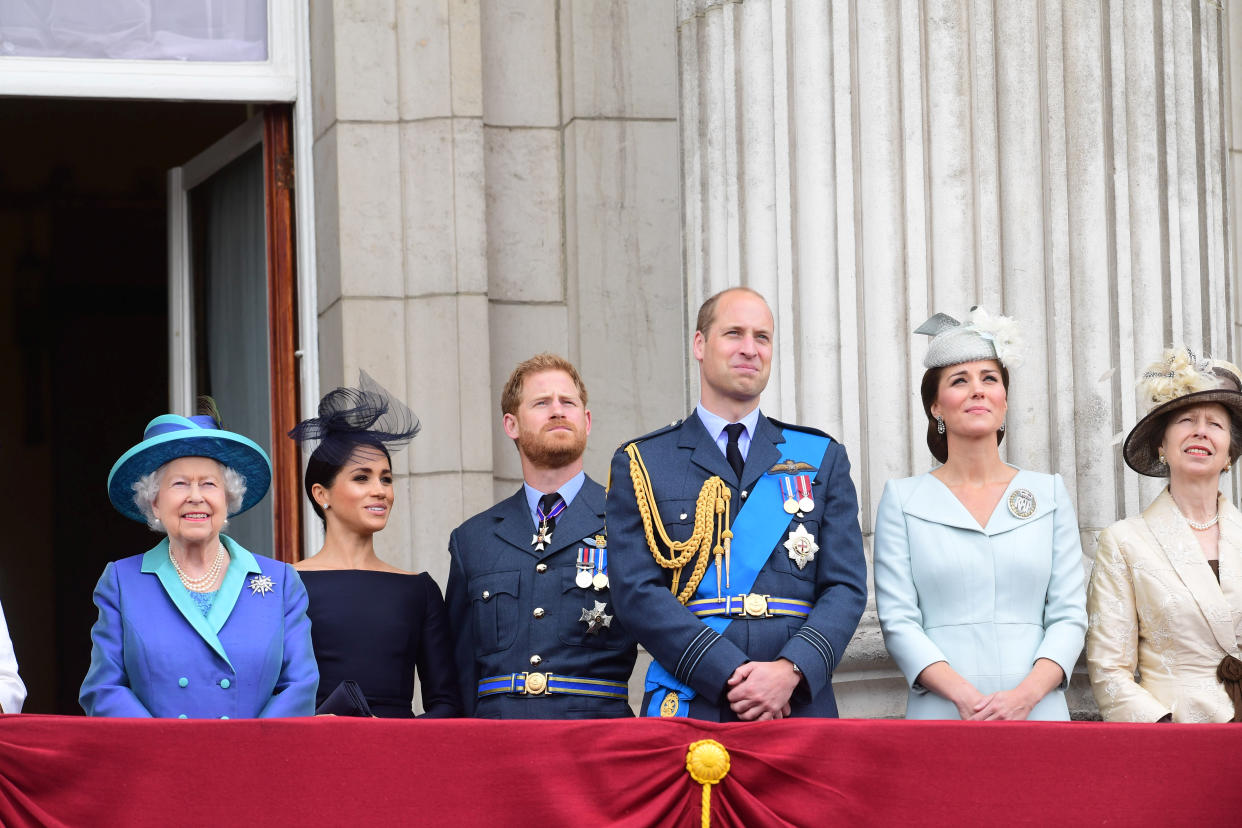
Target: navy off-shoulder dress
<point>377,628</point>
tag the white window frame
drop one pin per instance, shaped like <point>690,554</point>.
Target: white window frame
<point>181,180</point>
<point>274,79</point>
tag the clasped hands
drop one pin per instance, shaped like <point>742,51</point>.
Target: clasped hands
<point>1003,705</point>
<point>760,690</point>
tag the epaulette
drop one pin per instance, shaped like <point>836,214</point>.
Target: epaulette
<point>662,430</point>
<point>802,428</point>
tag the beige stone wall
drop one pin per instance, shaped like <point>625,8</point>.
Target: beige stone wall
<point>495,178</point>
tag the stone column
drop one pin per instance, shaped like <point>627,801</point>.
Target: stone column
<point>867,164</point>
<point>495,178</point>
<point>401,238</point>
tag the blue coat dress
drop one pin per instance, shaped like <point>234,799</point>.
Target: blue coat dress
<point>514,609</point>
<point>988,600</point>
<point>155,653</point>
<point>679,459</point>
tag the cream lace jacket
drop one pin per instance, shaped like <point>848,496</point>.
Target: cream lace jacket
<point>1154,605</point>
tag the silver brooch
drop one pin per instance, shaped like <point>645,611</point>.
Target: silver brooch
<point>1021,503</point>
<point>260,585</point>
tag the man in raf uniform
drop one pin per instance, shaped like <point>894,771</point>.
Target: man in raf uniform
<point>528,595</point>
<point>736,555</point>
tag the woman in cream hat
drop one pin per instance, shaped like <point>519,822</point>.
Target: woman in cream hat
<point>197,627</point>
<point>1166,593</point>
<point>978,567</point>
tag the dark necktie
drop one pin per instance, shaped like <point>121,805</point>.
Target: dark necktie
<point>733,452</point>
<point>550,505</point>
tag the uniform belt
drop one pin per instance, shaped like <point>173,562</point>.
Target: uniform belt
<point>750,605</point>
<point>542,684</point>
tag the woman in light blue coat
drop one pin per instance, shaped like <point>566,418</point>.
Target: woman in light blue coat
<point>978,566</point>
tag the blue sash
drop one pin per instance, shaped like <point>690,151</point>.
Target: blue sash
<point>758,526</point>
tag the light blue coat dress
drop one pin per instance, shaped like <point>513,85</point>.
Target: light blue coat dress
<point>988,600</point>
<point>156,654</point>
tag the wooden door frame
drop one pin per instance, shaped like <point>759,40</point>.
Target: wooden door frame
<point>282,329</point>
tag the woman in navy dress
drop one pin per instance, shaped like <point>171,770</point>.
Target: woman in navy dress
<point>371,623</point>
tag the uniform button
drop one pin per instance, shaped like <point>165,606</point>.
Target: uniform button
<point>224,717</point>
<point>183,716</point>
<point>535,659</point>
<point>744,493</point>
<point>541,567</point>
<point>486,595</point>
<point>538,613</point>
<point>683,516</point>
<point>225,683</point>
<point>183,682</point>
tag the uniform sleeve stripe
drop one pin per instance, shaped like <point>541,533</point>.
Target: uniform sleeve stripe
<point>693,653</point>
<point>813,637</point>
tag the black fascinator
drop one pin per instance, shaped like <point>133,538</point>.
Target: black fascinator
<point>349,417</point>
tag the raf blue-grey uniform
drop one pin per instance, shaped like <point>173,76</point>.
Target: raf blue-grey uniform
<point>679,459</point>
<point>516,610</point>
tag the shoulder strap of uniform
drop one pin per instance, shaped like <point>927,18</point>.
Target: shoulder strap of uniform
<point>802,428</point>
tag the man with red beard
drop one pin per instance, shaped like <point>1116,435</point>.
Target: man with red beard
<point>528,597</point>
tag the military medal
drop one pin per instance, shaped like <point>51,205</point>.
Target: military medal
<point>585,565</point>
<point>595,619</point>
<point>1022,503</point>
<point>801,546</point>
<point>600,581</point>
<point>543,535</point>
<point>787,490</point>
<point>806,503</point>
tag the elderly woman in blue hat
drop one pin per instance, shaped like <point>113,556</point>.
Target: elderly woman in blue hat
<point>978,565</point>
<point>197,627</point>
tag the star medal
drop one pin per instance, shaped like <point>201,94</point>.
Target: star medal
<point>801,546</point>
<point>1022,503</point>
<point>787,492</point>
<point>586,563</point>
<point>806,503</point>
<point>260,585</point>
<point>600,581</point>
<point>595,619</point>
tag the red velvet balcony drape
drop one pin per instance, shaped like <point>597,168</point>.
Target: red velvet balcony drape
<point>79,772</point>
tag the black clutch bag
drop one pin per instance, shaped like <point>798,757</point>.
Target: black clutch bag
<point>346,700</point>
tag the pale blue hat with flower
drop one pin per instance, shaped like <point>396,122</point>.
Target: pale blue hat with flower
<point>981,336</point>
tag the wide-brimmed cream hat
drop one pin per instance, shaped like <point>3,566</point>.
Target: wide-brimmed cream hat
<point>1179,380</point>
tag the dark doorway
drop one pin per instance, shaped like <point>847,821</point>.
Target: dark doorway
<point>83,352</point>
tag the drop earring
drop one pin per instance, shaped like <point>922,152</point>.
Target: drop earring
<point>939,426</point>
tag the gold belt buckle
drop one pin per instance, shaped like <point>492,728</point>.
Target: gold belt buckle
<point>536,683</point>
<point>755,605</point>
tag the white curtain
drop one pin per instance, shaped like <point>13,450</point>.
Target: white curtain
<point>235,317</point>
<point>193,30</point>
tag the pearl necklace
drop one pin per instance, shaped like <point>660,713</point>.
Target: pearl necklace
<point>1202,527</point>
<point>199,584</point>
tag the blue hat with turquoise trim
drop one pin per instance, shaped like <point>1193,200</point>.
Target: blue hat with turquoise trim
<point>168,437</point>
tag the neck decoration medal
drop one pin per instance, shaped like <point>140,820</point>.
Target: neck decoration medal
<point>544,535</point>
<point>595,619</point>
